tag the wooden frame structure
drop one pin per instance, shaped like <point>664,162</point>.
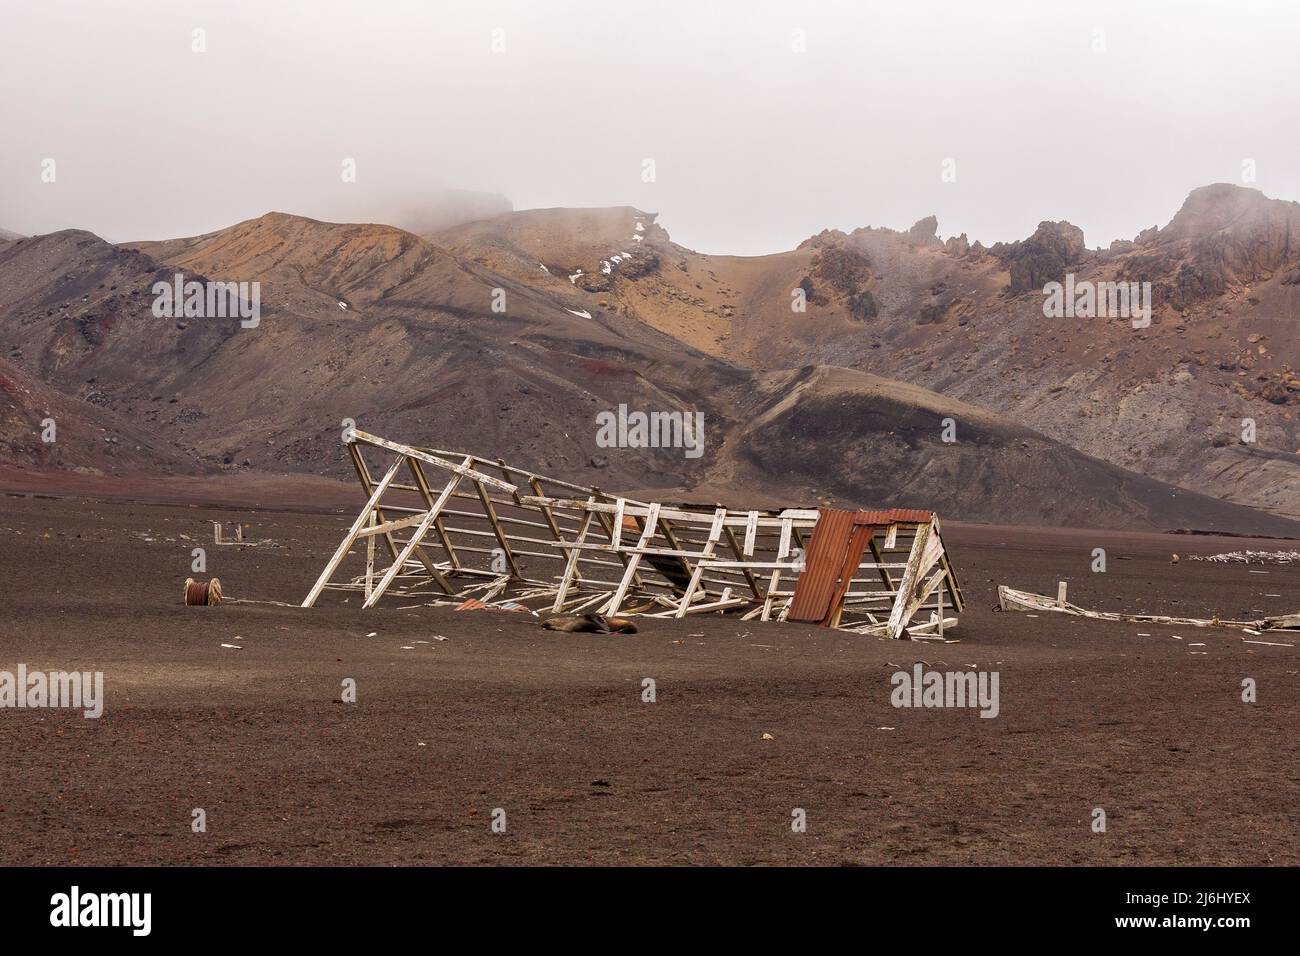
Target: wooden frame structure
<point>458,527</point>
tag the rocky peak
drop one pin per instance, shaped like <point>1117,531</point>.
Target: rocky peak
<point>1223,236</point>
<point>1044,257</point>
<point>957,246</point>
<point>1221,206</point>
<point>924,232</point>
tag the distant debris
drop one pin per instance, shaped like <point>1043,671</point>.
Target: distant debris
<point>219,538</point>
<point>1249,557</point>
<point>1009,599</point>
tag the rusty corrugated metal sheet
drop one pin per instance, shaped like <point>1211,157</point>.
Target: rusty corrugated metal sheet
<point>857,544</point>
<point>816,585</point>
<point>884,516</point>
<point>834,552</point>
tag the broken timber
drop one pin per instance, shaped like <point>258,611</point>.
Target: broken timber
<point>471,527</point>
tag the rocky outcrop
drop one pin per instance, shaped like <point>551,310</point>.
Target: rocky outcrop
<point>1046,256</point>
<point>827,237</point>
<point>1224,236</point>
<point>957,246</point>
<point>843,270</point>
<point>924,232</point>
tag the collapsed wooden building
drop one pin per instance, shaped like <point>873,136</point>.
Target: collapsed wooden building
<point>442,527</point>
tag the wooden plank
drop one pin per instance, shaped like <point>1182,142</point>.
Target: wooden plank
<point>666,529</point>
<point>744,564</point>
<point>570,567</point>
<point>616,537</point>
<point>633,509</point>
<point>782,552</point>
<point>881,566</point>
<point>715,532</point>
<point>412,452</point>
<point>370,554</point>
<point>603,518</point>
<point>422,486</point>
<point>751,529</point>
<point>497,530</point>
<point>388,527</point>
<point>411,545</point>
<point>652,520</point>
<point>351,535</point>
<point>368,484</point>
<point>429,567</point>
<point>545,509</point>
<point>907,584</point>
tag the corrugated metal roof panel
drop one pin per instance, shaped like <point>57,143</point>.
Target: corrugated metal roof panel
<point>816,585</point>
<point>834,552</point>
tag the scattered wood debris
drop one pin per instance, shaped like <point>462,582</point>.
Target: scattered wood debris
<point>1010,599</point>
<point>1250,557</point>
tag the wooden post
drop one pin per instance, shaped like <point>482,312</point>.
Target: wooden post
<point>941,590</point>
<point>782,552</point>
<point>370,555</point>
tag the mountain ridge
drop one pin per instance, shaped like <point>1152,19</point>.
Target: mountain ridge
<point>376,324</point>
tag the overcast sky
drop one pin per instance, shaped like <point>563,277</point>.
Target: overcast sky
<point>755,144</point>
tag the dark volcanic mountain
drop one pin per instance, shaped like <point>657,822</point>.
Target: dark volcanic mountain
<point>434,346</point>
